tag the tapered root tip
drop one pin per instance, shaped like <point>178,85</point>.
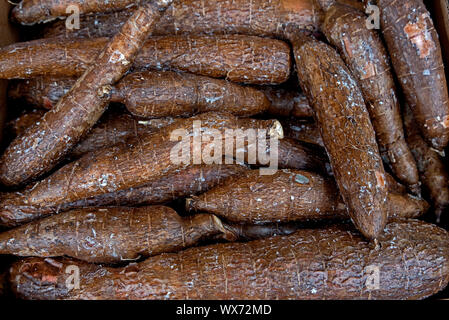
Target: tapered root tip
<point>276,130</point>
<point>438,213</point>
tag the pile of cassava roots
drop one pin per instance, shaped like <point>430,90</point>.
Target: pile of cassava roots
<point>122,176</point>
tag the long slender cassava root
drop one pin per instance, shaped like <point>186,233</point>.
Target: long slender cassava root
<point>123,167</point>
<point>238,58</point>
<point>44,145</point>
<point>287,196</point>
<point>188,182</point>
<point>346,130</point>
<point>156,94</point>
<point>257,17</point>
<point>309,264</point>
<point>364,53</point>
<point>415,52</point>
<point>111,235</point>
<point>433,172</point>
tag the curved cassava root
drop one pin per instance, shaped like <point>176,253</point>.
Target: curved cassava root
<point>364,53</point>
<point>111,235</point>
<point>288,196</point>
<point>411,262</point>
<point>346,130</point>
<point>44,145</point>
<point>238,58</point>
<point>156,94</point>
<point>258,17</point>
<point>415,52</point>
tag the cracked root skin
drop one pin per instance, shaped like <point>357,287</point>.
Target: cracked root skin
<point>412,260</point>
<point>109,235</point>
<point>288,196</point>
<point>156,94</point>
<point>237,58</point>
<point>44,145</point>
<point>346,130</point>
<point>122,167</point>
<point>288,103</point>
<point>255,17</point>
<point>29,12</point>
<point>365,55</point>
<point>433,172</point>
<point>415,52</point>
<point>113,128</point>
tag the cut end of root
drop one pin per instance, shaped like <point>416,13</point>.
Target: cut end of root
<point>376,244</point>
<point>276,130</point>
<point>227,233</point>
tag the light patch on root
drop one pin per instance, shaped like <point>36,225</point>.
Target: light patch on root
<point>419,34</point>
<point>381,181</point>
<point>118,56</point>
<point>296,6</point>
<point>445,122</point>
<point>369,71</point>
<point>348,47</point>
<point>276,130</point>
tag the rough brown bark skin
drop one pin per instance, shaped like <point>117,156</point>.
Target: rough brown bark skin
<point>248,232</point>
<point>293,154</point>
<point>237,58</point>
<point>365,55</point>
<point>303,130</point>
<point>115,129</point>
<point>346,130</point>
<point>41,147</point>
<point>29,12</point>
<point>433,172</point>
<point>395,186</point>
<point>288,195</point>
<point>355,4</point>
<point>37,201</point>
<point>42,92</point>
<point>416,55</point>
<point>19,125</point>
<point>191,181</point>
<point>110,235</point>
<point>112,128</point>
<point>286,103</point>
<point>123,167</point>
<point>156,94</point>
<point>256,17</point>
<point>170,94</point>
<point>331,263</point>
<point>31,203</point>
